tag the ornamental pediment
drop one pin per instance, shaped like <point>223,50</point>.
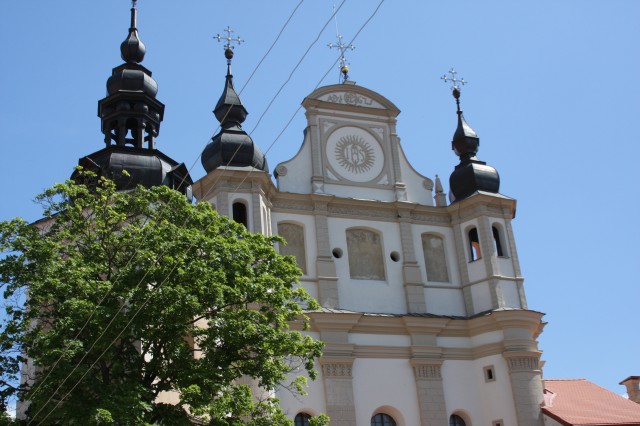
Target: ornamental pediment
<point>352,98</point>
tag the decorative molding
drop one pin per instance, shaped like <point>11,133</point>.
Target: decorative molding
<point>362,211</point>
<point>379,131</point>
<point>317,187</point>
<point>431,219</point>
<point>427,184</point>
<point>520,361</point>
<point>428,371</point>
<point>330,175</point>
<point>326,124</point>
<point>288,205</point>
<point>337,369</point>
<point>384,180</point>
<point>281,170</point>
<point>350,98</point>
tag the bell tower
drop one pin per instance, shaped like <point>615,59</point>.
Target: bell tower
<point>237,180</point>
<point>488,263</point>
<point>131,115</point>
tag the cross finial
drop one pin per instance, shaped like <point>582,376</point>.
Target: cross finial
<point>342,48</point>
<point>133,3</point>
<point>455,88</point>
<point>453,79</point>
<point>228,48</point>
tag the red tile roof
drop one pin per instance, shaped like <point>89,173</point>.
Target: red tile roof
<point>575,402</point>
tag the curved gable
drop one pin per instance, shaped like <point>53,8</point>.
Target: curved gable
<point>350,95</point>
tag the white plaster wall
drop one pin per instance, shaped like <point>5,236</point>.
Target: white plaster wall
<point>497,398</point>
<point>461,392</point>
<point>454,342</point>
<point>360,192</point>
<point>505,266</point>
<point>416,192</point>
<point>471,342</point>
<point>299,170</point>
<point>444,301</point>
<point>381,296</point>
<point>477,269</point>
<point>481,297</point>
<point>385,383</point>
<point>379,340</point>
<point>466,391</point>
<point>510,295</point>
<point>487,338</point>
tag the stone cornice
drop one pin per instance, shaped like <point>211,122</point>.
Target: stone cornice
<point>496,205</point>
<point>286,202</point>
<point>442,326</point>
<point>230,178</point>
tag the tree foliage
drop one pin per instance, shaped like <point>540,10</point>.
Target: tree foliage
<point>133,295</point>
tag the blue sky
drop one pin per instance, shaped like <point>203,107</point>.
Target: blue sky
<point>552,94</point>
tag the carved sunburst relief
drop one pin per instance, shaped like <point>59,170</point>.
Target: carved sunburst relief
<point>354,154</point>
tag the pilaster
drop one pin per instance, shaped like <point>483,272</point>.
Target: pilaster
<point>461,257</point>
<point>413,284</point>
<point>526,386</point>
<point>430,389</point>
<point>325,267</point>
<point>338,388</point>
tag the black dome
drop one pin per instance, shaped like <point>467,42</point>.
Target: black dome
<point>233,147</point>
<point>132,78</point>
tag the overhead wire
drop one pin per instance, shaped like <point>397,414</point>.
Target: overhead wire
<point>255,69</point>
<point>170,272</point>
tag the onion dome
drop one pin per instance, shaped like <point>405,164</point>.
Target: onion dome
<point>131,76</point>
<point>232,146</point>
<point>132,49</point>
<point>465,140</point>
<point>131,117</point>
<point>471,175</point>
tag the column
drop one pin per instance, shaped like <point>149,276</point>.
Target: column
<point>428,375</point>
<point>338,388</point>
<point>526,386</point>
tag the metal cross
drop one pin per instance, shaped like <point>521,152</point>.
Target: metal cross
<point>342,48</point>
<point>453,79</point>
<point>133,3</point>
<point>230,40</point>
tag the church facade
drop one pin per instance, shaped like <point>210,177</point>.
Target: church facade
<point>424,316</point>
<point>423,310</point>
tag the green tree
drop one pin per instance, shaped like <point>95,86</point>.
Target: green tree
<point>131,295</point>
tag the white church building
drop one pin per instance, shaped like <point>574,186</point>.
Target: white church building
<point>424,315</point>
<point>423,310</point>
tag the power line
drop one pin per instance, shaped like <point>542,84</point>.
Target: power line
<point>255,69</point>
<point>170,272</point>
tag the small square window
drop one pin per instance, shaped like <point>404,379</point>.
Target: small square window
<point>497,423</point>
<point>489,374</point>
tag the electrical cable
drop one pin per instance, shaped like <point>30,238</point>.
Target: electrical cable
<point>168,275</point>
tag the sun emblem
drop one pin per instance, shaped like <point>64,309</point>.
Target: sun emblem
<point>354,154</point>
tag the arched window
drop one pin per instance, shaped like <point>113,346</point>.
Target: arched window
<point>497,241</point>
<point>456,420</point>
<point>382,419</point>
<point>294,235</point>
<point>365,254</point>
<point>434,258</point>
<point>302,419</point>
<point>474,245</point>
<point>240,213</point>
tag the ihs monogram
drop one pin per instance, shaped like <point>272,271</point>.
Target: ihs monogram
<point>354,154</point>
